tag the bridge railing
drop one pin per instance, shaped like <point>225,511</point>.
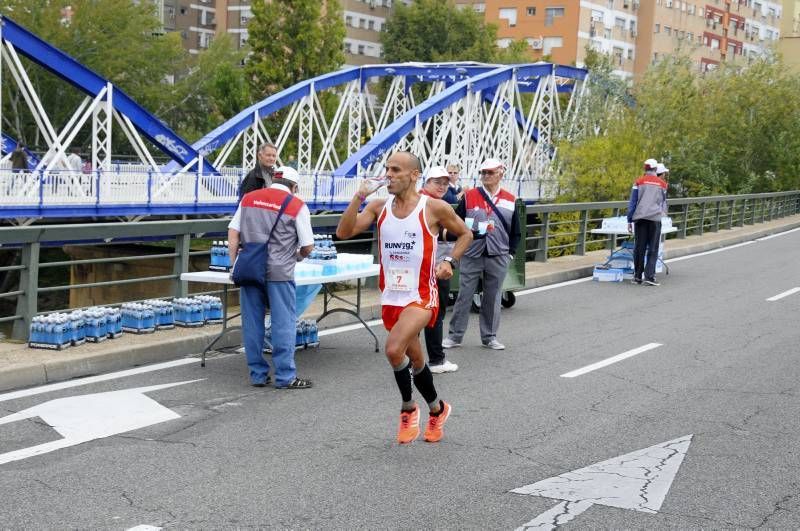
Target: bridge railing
<point>141,188</point>
<point>36,268</point>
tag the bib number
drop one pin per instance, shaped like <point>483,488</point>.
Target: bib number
<point>399,279</point>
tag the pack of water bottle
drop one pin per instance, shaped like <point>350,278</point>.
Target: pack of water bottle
<point>212,308</point>
<point>306,334</point>
<point>101,323</point>
<point>164,313</point>
<point>220,259</point>
<point>324,253</point>
<point>189,312</point>
<point>138,318</point>
<point>57,331</point>
<point>51,332</point>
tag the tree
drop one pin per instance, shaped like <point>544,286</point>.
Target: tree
<point>437,31</point>
<point>214,90</point>
<point>119,39</point>
<point>291,41</point>
<point>729,131</point>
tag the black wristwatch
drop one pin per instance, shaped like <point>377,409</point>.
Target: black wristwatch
<point>450,260</point>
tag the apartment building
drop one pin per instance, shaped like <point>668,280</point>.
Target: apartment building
<point>636,33</point>
<point>199,21</point>
<point>789,44</point>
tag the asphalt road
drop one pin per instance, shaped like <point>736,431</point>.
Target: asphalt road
<point>227,455</point>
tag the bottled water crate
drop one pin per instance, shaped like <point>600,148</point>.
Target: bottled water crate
<point>188,312</point>
<point>138,318</point>
<point>602,274</point>
<point>51,332</point>
<point>220,260</point>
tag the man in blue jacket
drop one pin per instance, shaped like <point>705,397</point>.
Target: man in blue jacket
<point>648,204</point>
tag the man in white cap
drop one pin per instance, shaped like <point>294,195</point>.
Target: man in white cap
<point>436,185</point>
<point>647,205</point>
<point>491,213</point>
<point>276,217</point>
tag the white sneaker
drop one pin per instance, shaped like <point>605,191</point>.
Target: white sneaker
<point>494,345</point>
<point>444,367</point>
<point>449,343</point>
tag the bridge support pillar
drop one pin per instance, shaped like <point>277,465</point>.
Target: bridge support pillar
<point>27,304</point>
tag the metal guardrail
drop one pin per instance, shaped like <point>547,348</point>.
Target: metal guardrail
<point>557,229</point>
<point>565,228</point>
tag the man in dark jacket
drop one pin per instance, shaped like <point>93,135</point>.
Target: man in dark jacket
<point>19,159</point>
<point>260,176</point>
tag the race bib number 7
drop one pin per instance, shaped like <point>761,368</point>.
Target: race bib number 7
<point>399,279</point>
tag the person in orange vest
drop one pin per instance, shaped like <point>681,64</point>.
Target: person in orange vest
<point>489,210</point>
<point>647,205</point>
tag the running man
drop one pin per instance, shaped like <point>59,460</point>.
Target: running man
<point>408,226</point>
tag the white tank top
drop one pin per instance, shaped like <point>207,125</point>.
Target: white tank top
<point>408,258</point>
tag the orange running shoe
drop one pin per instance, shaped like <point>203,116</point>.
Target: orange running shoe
<point>409,426</point>
<point>434,432</point>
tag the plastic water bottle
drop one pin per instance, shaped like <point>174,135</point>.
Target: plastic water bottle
<point>267,333</point>
<point>298,335</point>
<point>314,332</point>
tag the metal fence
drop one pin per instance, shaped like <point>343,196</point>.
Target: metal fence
<point>553,229</point>
<point>565,228</point>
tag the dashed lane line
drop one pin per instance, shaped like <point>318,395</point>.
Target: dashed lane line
<point>786,293</point>
<point>608,361</point>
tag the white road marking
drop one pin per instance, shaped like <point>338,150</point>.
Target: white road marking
<point>696,255</point>
<point>80,419</point>
<point>611,360</point>
<point>347,328</point>
<point>94,379</point>
<point>638,481</point>
<point>562,513</point>
<point>551,286</point>
<point>786,293</point>
<point>777,234</point>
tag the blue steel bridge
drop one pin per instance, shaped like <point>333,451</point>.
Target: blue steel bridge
<point>467,112</point>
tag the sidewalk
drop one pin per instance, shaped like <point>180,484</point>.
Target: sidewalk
<point>21,366</point>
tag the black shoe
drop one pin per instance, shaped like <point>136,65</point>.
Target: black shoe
<point>297,383</point>
<point>651,282</point>
<point>636,281</point>
<point>263,384</point>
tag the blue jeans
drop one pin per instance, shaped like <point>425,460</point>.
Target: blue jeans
<point>283,317</point>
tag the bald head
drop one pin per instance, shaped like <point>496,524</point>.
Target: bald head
<point>410,161</point>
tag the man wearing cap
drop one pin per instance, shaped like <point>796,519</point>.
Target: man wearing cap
<point>276,214</point>
<point>260,176</point>
<point>436,183</point>
<point>648,204</point>
<point>491,212</point>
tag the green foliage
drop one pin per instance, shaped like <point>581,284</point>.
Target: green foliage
<point>435,30</point>
<point>117,38</point>
<point>214,90</point>
<point>122,41</point>
<point>733,130</point>
<point>293,40</point>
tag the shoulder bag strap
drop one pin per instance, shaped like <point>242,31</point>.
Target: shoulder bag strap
<point>496,210</point>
